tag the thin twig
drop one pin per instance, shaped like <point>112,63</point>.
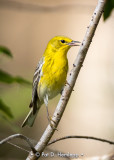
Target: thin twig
<point>15,145</point>
<point>6,140</point>
<point>29,141</point>
<point>71,80</point>
<point>82,137</point>
<point>19,136</point>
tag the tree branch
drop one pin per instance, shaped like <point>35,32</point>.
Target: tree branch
<point>71,80</point>
<point>82,137</point>
<point>29,142</point>
<point>19,136</point>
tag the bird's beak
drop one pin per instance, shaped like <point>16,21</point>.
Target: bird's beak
<point>74,43</point>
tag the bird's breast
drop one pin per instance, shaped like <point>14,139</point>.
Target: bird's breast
<point>54,73</point>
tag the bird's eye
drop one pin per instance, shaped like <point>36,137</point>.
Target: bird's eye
<point>63,41</point>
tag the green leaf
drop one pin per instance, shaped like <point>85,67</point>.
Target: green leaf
<point>5,109</point>
<point>6,51</point>
<point>108,9</point>
<point>7,78</point>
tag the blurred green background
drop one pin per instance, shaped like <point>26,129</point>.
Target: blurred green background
<point>25,29</point>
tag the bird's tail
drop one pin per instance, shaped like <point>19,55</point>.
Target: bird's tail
<point>30,118</point>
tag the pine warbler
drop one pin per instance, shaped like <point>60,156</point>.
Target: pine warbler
<point>50,75</point>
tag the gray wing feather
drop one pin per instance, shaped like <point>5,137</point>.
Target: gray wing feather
<point>35,102</point>
<point>36,79</point>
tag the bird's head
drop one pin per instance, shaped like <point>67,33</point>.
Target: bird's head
<point>61,43</point>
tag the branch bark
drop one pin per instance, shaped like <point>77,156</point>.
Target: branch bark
<point>71,80</point>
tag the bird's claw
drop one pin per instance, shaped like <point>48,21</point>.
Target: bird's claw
<point>51,124</point>
<point>67,84</point>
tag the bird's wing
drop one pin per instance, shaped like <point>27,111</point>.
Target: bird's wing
<point>36,79</point>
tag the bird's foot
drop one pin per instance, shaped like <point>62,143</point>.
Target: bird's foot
<point>67,83</point>
<point>52,123</point>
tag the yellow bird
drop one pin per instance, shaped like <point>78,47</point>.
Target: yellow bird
<point>50,75</point>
